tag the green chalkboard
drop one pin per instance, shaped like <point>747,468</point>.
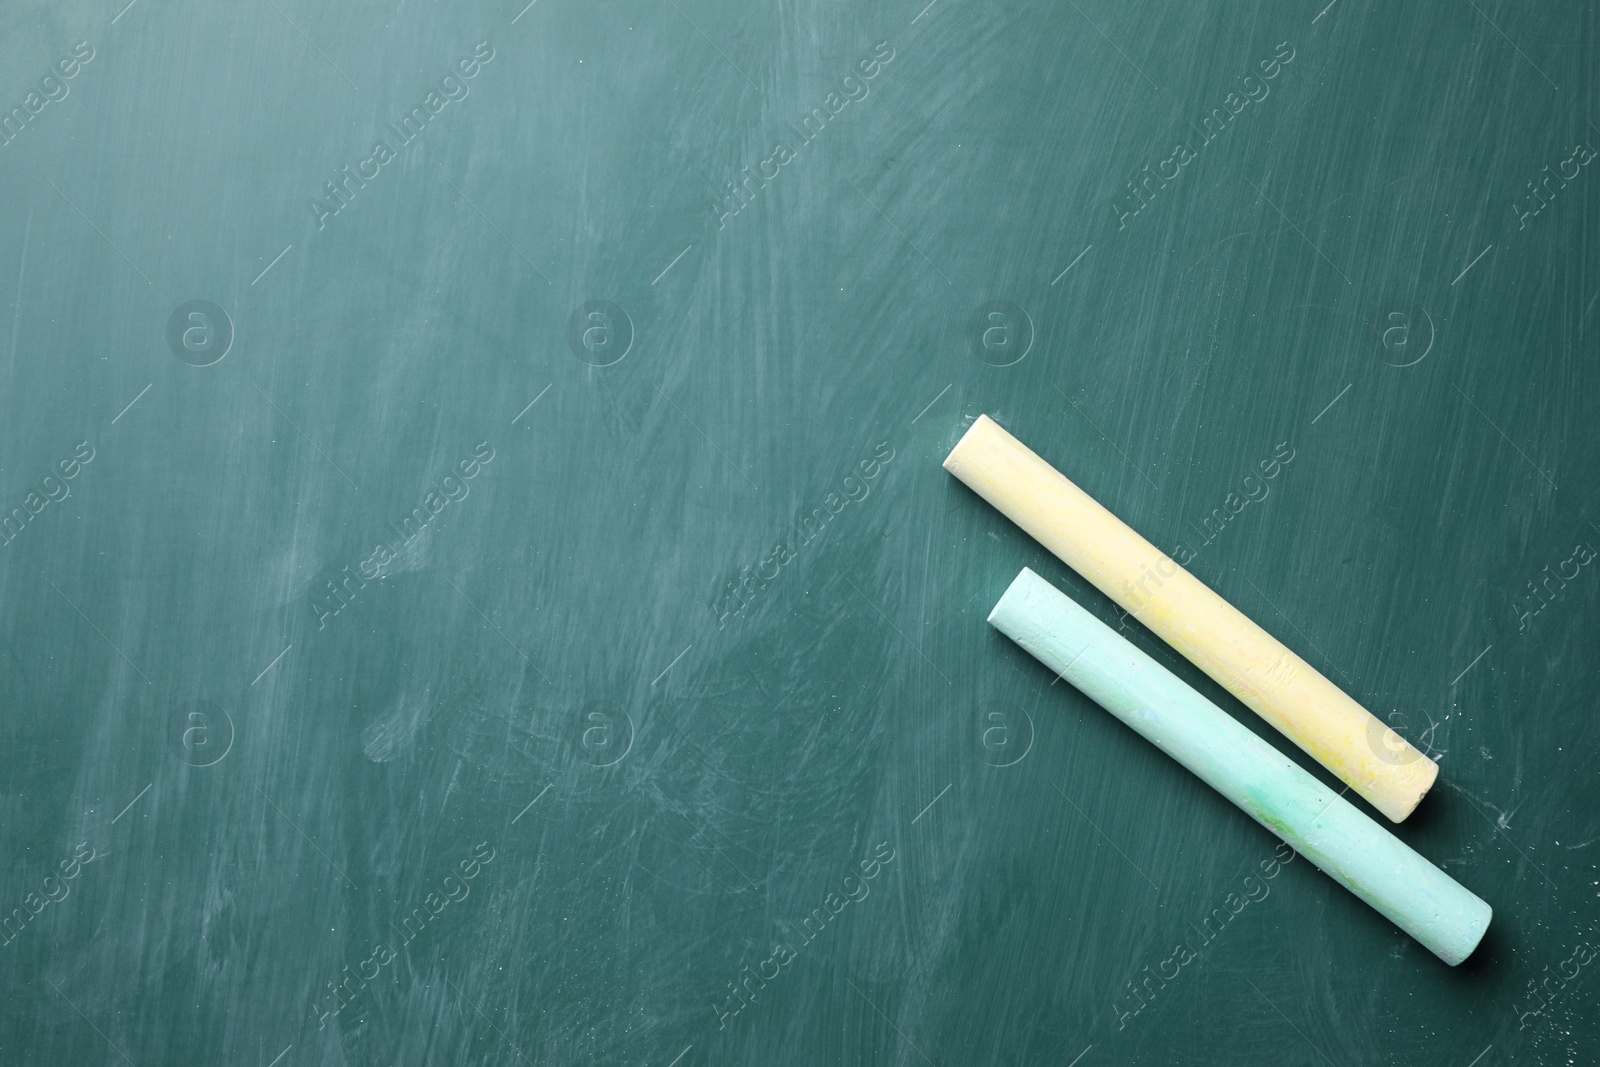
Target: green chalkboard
<point>479,585</point>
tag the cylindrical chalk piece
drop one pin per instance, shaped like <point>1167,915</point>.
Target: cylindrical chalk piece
<point>1271,788</point>
<point>1214,635</point>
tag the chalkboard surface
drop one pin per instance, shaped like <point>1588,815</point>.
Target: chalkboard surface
<point>480,587</point>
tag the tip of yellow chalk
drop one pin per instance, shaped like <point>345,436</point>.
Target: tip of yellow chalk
<point>982,426</point>
<point>1409,790</point>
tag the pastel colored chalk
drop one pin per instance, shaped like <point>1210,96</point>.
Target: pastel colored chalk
<point>1272,789</point>
<point>1212,634</point>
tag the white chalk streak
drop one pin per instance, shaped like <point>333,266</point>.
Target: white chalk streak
<point>1332,402</point>
<point>273,664</point>
<point>131,803</point>
<point>931,803</point>
<point>531,803</point>
<point>532,402</point>
<point>1063,274</point>
<point>671,665</point>
<point>932,402</point>
<point>1469,266</point>
<point>263,274</point>
<point>674,263</point>
<point>132,402</point>
<point>1471,665</point>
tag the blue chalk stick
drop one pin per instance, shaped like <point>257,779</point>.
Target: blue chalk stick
<point>1272,789</point>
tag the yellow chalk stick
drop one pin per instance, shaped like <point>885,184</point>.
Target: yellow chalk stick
<point>1211,633</point>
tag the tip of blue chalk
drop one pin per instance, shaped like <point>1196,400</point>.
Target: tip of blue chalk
<point>1021,586</point>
